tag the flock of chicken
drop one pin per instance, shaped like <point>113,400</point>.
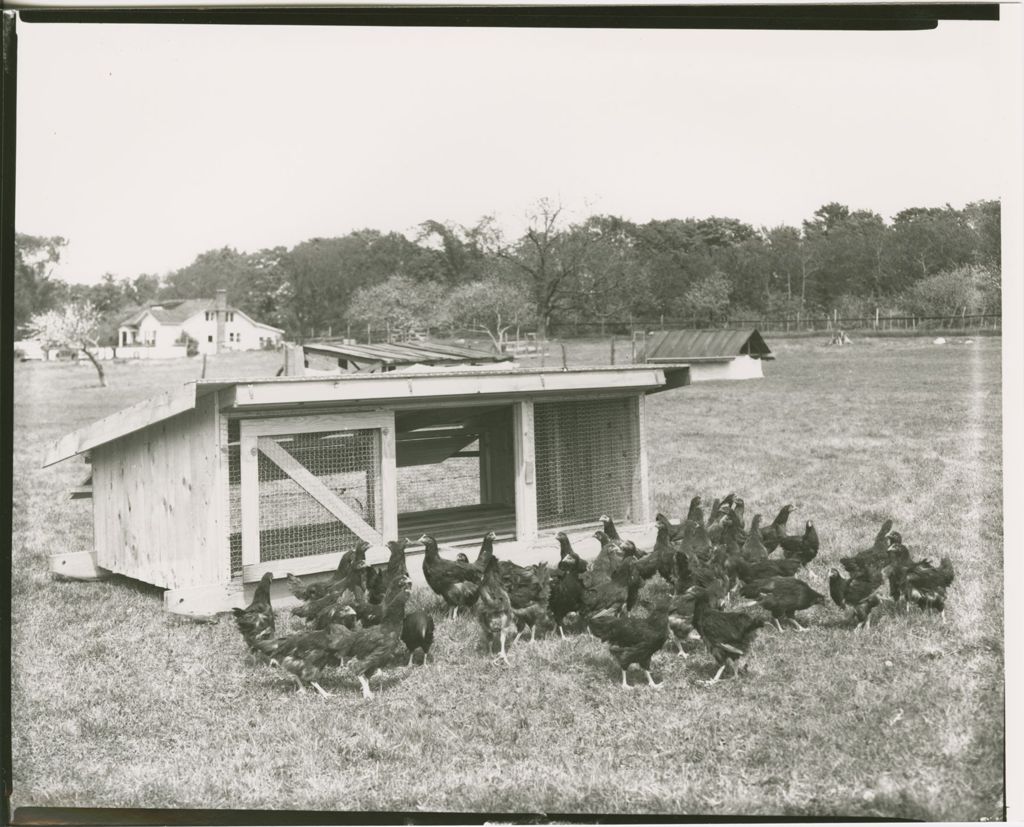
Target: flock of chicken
<point>358,617</point>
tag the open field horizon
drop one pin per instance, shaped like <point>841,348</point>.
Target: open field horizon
<point>117,704</point>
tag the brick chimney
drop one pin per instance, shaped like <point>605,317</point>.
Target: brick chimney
<point>220,307</point>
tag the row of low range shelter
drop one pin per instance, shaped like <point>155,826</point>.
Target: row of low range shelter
<point>205,488</point>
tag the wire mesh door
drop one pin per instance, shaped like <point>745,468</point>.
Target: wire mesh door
<point>312,487</point>
<point>588,459</point>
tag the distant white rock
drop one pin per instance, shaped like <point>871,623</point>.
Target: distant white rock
<point>939,341</point>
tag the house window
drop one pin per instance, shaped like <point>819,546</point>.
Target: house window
<point>230,316</point>
<point>209,338</point>
<point>209,315</point>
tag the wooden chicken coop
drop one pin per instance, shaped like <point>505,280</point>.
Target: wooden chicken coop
<point>205,488</point>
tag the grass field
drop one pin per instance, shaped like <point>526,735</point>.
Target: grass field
<point>117,704</point>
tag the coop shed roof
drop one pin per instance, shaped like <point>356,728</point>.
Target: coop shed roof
<point>705,345</point>
<point>377,389</point>
<point>391,355</point>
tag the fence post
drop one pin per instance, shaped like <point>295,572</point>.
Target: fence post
<point>563,356</point>
<point>613,350</point>
<point>368,340</point>
<point>662,321</point>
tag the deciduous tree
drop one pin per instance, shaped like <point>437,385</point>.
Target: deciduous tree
<point>75,327</point>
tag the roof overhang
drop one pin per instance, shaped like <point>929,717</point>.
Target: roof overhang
<point>379,389</point>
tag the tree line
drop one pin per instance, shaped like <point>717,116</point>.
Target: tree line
<point>926,261</point>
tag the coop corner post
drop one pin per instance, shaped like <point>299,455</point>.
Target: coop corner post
<point>526,476</point>
<point>643,472</point>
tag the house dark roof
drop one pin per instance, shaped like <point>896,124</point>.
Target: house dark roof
<point>392,355</point>
<point>691,345</point>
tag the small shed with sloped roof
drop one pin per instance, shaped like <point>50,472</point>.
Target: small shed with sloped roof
<point>711,354</point>
<point>207,487</point>
<point>371,358</point>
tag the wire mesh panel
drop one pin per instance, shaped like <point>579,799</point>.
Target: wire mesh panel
<point>587,456</point>
<point>235,496</point>
<point>291,521</point>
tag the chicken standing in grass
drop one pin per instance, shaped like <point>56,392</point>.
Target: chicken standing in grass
<point>529,598</point>
<point>607,561</point>
<point>367,651</point>
<point>771,535</point>
<point>763,569</point>
<point>309,592</point>
<point>662,559</point>
<point>876,556</point>
<point>457,583</point>
<point>726,635</point>
<point>803,548</point>
<point>918,581</point>
<point>857,592</point>
<point>611,594</point>
<point>494,610</point>
<point>304,655</point>
<point>635,640</point>
<point>333,607</point>
<point>256,621</point>
<point>566,598</point>
<point>418,633</point>
<point>681,607</point>
<point>784,596</point>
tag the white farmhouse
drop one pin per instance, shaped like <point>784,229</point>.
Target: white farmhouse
<point>159,330</point>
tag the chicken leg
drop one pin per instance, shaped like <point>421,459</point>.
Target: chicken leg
<point>323,692</point>
<point>682,651</point>
<point>718,674</point>
<point>366,687</point>
<point>625,683</point>
<point>796,623</point>
<point>651,682</point>
<point>501,654</point>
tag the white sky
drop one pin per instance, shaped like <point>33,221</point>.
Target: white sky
<point>145,145</point>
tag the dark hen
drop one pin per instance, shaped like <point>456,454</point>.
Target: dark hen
<point>256,621</point>
<point>457,583</point>
<point>309,592</point>
<point>857,592</point>
<point>342,595</point>
<point>927,585</point>
<point>681,606</point>
<point>368,650</point>
<point>803,548</point>
<point>769,567</point>
<point>772,534</point>
<point>634,640</point>
<point>304,655</point>
<point>876,556</point>
<point>566,598</point>
<point>494,610</point>
<point>529,595</point>
<point>784,596</point>
<point>418,633</point>
<point>753,549</point>
<point>607,562</point>
<point>611,594</point>
<point>726,635</point>
<point>662,559</point>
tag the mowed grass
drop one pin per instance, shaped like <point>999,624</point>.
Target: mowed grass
<point>117,704</point>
